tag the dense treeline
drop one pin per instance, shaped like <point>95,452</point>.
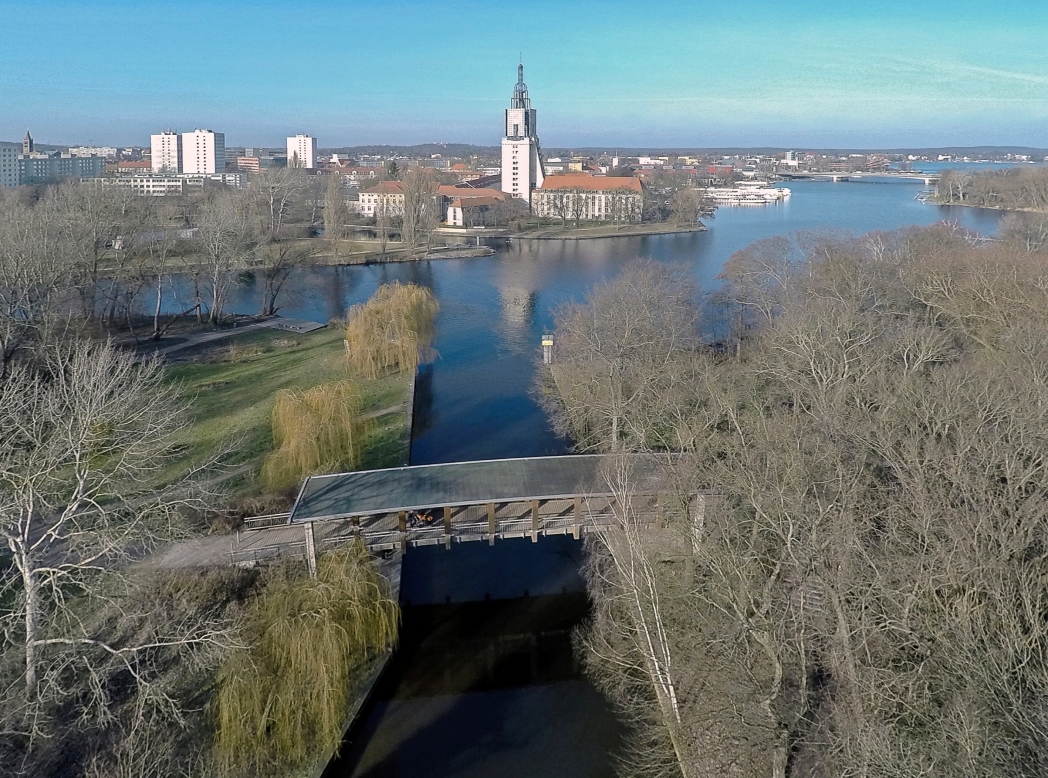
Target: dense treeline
<point>854,578</point>
<point>1013,188</point>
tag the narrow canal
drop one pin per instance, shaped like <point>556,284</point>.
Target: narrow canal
<point>486,682</point>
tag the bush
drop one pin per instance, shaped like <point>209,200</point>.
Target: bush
<point>284,696</point>
<point>391,331</point>
<point>318,430</point>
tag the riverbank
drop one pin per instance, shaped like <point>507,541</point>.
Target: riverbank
<point>604,231</point>
<point>232,386</point>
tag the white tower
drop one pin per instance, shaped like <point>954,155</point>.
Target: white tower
<point>203,152</point>
<point>521,157</point>
<point>302,152</point>
<point>166,150</point>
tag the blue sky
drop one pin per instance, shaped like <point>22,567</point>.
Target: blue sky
<point>808,73</point>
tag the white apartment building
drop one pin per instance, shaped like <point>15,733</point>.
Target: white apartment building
<point>522,169</point>
<point>203,152</point>
<point>166,152</point>
<point>302,152</point>
<point>9,163</point>
<point>92,151</point>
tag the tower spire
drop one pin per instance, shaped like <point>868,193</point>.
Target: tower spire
<point>520,91</point>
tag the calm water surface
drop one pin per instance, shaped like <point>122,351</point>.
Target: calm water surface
<point>485,683</point>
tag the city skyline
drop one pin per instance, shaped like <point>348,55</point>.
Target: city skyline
<point>816,74</point>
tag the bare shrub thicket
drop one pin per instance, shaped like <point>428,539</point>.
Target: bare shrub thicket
<point>392,331</point>
<point>851,579</point>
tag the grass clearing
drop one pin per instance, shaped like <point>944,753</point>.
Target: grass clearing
<point>233,388</point>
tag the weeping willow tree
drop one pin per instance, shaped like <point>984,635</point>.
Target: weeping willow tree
<point>283,698</point>
<point>318,430</point>
<point>391,331</point>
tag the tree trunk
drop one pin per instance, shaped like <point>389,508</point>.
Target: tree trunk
<point>31,581</point>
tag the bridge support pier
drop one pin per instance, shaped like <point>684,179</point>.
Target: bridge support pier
<point>311,550</point>
<point>447,526</point>
<point>577,510</point>
<point>491,523</point>
<point>534,521</point>
<point>402,525</point>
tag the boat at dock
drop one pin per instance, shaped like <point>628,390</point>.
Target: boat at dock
<point>747,194</point>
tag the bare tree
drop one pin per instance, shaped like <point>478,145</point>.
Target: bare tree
<point>612,353</point>
<point>223,234</point>
<point>420,208</point>
<point>85,437</point>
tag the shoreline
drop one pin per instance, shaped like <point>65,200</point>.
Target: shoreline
<point>626,233</point>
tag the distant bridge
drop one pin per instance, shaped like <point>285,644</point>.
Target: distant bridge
<point>927,178</point>
<point>440,504</point>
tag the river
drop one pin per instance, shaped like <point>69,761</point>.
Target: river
<point>485,682</point>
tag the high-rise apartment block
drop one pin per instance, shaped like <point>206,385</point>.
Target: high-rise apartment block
<point>166,150</point>
<point>522,169</point>
<point>302,152</point>
<point>9,164</point>
<point>203,152</point>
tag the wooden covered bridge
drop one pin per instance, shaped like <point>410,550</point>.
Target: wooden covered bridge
<point>447,503</point>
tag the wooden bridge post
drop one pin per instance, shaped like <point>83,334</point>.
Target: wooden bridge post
<point>447,526</point>
<point>311,550</point>
<point>534,521</point>
<point>491,523</point>
<point>577,529</point>
<point>402,525</point>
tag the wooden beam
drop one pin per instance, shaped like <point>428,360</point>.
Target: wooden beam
<point>311,550</point>
<point>491,523</point>
<point>447,519</point>
<point>402,525</point>
<point>534,521</point>
<point>578,517</point>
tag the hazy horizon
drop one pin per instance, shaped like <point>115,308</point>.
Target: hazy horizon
<point>751,73</point>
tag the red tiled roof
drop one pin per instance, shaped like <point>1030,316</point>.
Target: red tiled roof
<point>386,187</point>
<point>587,182</point>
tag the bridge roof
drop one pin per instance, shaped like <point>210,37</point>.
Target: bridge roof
<point>459,483</point>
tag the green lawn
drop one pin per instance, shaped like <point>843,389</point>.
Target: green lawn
<point>231,397</point>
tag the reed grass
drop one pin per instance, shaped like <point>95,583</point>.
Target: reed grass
<point>283,698</point>
<point>319,430</point>
<point>393,331</point>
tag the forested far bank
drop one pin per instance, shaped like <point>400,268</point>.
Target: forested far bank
<point>1012,188</point>
<point>862,587</point>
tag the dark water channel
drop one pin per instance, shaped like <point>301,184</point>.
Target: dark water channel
<point>485,682</point>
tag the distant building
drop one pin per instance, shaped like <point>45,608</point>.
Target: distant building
<point>9,164</point>
<point>154,186</point>
<point>203,152</point>
<point>129,168</point>
<point>302,152</point>
<point>166,152</point>
<point>27,143</point>
<point>584,197</point>
<point>248,164</point>
<point>93,151</point>
<point>522,169</point>
<point>385,194</point>
<point>47,169</point>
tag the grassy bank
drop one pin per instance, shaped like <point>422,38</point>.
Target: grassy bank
<point>231,389</point>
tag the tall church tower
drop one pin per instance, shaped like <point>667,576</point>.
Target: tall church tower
<point>27,144</point>
<point>521,156</point>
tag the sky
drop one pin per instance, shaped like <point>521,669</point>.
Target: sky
<point>602,73</point>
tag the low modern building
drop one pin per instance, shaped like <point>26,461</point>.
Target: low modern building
<point>154,186</point>
<point>248,164</point>
<point>302,152</point>
<point>48,169</point>
<point>585,197</point>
